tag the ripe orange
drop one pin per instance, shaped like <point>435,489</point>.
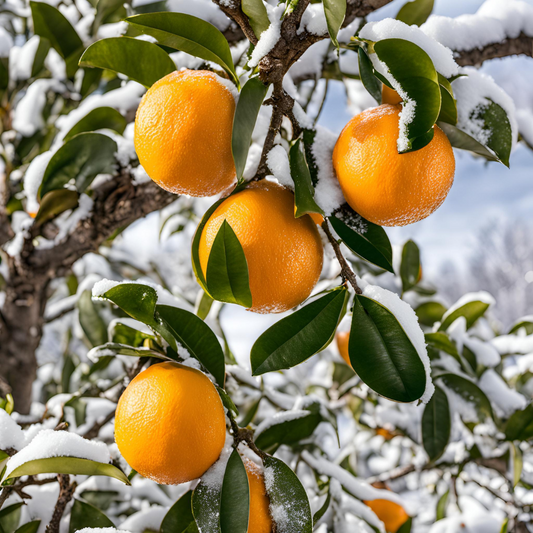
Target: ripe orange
<point>343,337</point>
<point>170,424</point>
<point>386,187</point>
<point>390,96</point>
<point>183,133</point>
<point>259,520</point>
<point>391,514</point>
<point>284,253</point>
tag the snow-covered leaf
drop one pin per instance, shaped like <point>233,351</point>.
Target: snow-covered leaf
<point>189,34</point>
<point>206,506</point>
<point>80,159</point>
<point>436,425</point>
<point>179,517</point>
<point>382,354</point>
<point>335,11</point>
<point>460,139</point>
<point>256,12</point>
<point>235,497</point>
<point>415,12</point>
<point>297,337</point>
<point>84,515</point>
<point>366,71</point>
<point>526,323</point>
<point>410,267</point>
<point>520,425</point>
<point>471,310</point>
<point>141,61</point>
<point>98,119</point>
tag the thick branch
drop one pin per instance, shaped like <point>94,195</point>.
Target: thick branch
<point>521,45</point>
<point>66,492</point>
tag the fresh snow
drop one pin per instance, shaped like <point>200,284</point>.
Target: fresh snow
<point>278,163</point>
<point>279,418</point>
<point>146,520</point>
<point>485,352</point>
<point>11,435</point>
<point>269,37</point>
<point>314,20</point>
<point>513,344</point>
<point>505,400</point>
<point>481,296</point>
<point>33,179</point>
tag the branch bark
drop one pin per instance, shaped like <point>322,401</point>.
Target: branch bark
<point>521,45</point>
<point>66,492</point>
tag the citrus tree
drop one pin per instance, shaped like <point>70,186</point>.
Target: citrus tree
<point>369,405</point>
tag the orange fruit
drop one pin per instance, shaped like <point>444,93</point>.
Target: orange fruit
<point>170,424</point>
<point>390,96</point>
<point>183,133</point>
<point>318,219</point>
<point>259,520</point>
<point>391,514</point>
<point>342,338</point>
<point>385,433</point>
<point>383,186</point>
<point>284,253</point>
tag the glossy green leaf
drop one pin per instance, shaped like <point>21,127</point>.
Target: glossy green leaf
<point>366,71</point>
<point>516,463</point>
<point>441,341</point>
<point>54,203</point>
<point>410,265</point>
<point>520,425</point>
<point>235,497</point>
<point>179,517</point>
<point>430,312</point>
<point>67,465</point>
<point>286,492</point>
<point>250,101</point>
<point>448,108</point>
<point>140,61</point>
<point>415,12</point>
<point>304,191</point>
<point>10,517</point>
<point>50,23</point>
<point>300,335</point>
<point>204,305</point>
<point>471,311</point>
<point>382,354</point>
<point>364,238</point>
<point>91,322</point>
<point>80,159</point>
<point>29,527</point>
<point>460,139</point>
<point>189,34</point>
<point>505,525</point>
<point>227,270</point>
<point>414,71</point>
<point>322,511</point>
<point>84,515</point>
<point>335,11</point>
<point>436,425</point>
<point>104,10</point>
<point>98,119</point>
<point>256,12</point>
<point>40,56</point>
<point>124,334</point>
<point>442,505</point>
<point>196,337</point>
<point>206,507</point>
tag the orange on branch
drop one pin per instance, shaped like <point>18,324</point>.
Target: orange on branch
<point>391,514</point>
<point>383,186</point>
<point>170,424</point>
<point>259,519</point>
<point>183,133</point>
<point>284,253</point>
<point>343,338</point>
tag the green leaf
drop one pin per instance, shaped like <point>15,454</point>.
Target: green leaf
<point>67,465</point>
<point>366,239</point>
<point>124,334</point>
<point>140,61</point>
<point>382,354</point>
<point>85,515</point>
<point>204,305</point>
<point>188,34</point>
<point>525,323</point>
<point>250,101</point>
<point>227,401</point>
<point>441,341</point>
<point>227,270</point>
<point>520,425</point>
<point>98,119</point>
<point>406,526</point>
<point>90,320</point>
<point>505,524</point>
<point>430,312</point>
<point>256,12</point>
<point>414,71</point>
<point>80,159</point>
<point>366,72</point>
<point>104,9</point>
<point>10,517</point>
<point>410,265</point>
<point>30,527</point>
<point>286,492</point>
<point>304,191</point>
<point>248,418</point>
<point>300,335</point>
<point>40,56</point>
<point>206,507</point>
<point>196,337</point>
<point>335,11</point>
<point>235,497</point>
<point>442,505</point>
<point>448,108</point>
<point>516,463</point>
<point>179,517</point>
<point>4,73</point>
<point>322,511</point>
<point>415,12</point>
<point>54,203</point>
<point>471,311</point>
<point>112,348</point>
<point>436,425</point>
<point>50,23</point>
<point>288,431</point>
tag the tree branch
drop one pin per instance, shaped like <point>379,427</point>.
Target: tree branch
<point>521,45</point>
<point>66,492</point>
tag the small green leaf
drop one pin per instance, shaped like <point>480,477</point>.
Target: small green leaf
<point>442,505</point>
<point>304,191</point>
<point>67,465</point>
<point>189,34</point>
<point>110,349</point>
<point>256,12</point>
<point>104,10</point>
<point>235,497</point>
<point>124,334</point>
<point>406,526</point>
<point>441,341</point>
<point>227,401</point>
<point>460,139</point>
<point>140,61</point>
<point>179,517</point>
<point>436,425</point>
<point>430,312</point>
<point>448,108</point>
<point>415,12</point>
<point>204,305</point>
<point>520,425</point>
<point>516,463</point>
<point>366,72</point>
<point>382,354</point>
<point>206,507</point>
<point>98,119</point>
<point>30,527</point>
<point>54,203</point>
<point>40,56</point>
<point>250,101</point>
<point>85,515</point>
<point>10,517</point>
<point>286,492</point>
<point>410,265</point>
<point>505,524</point>
<point>227,270</point>
<point>471,311</point>
<point>80,159</point>
<point>300,335</point>
<point>364,238</point>
<point>525,323</point>
<point>91,322</point>
<point>335,11</point>
<point>196,337</point>
<point>322,511</point>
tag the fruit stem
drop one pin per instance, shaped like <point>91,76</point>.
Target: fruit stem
<point>244,435</point>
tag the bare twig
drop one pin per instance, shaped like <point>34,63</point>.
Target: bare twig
<point>66,492</point>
